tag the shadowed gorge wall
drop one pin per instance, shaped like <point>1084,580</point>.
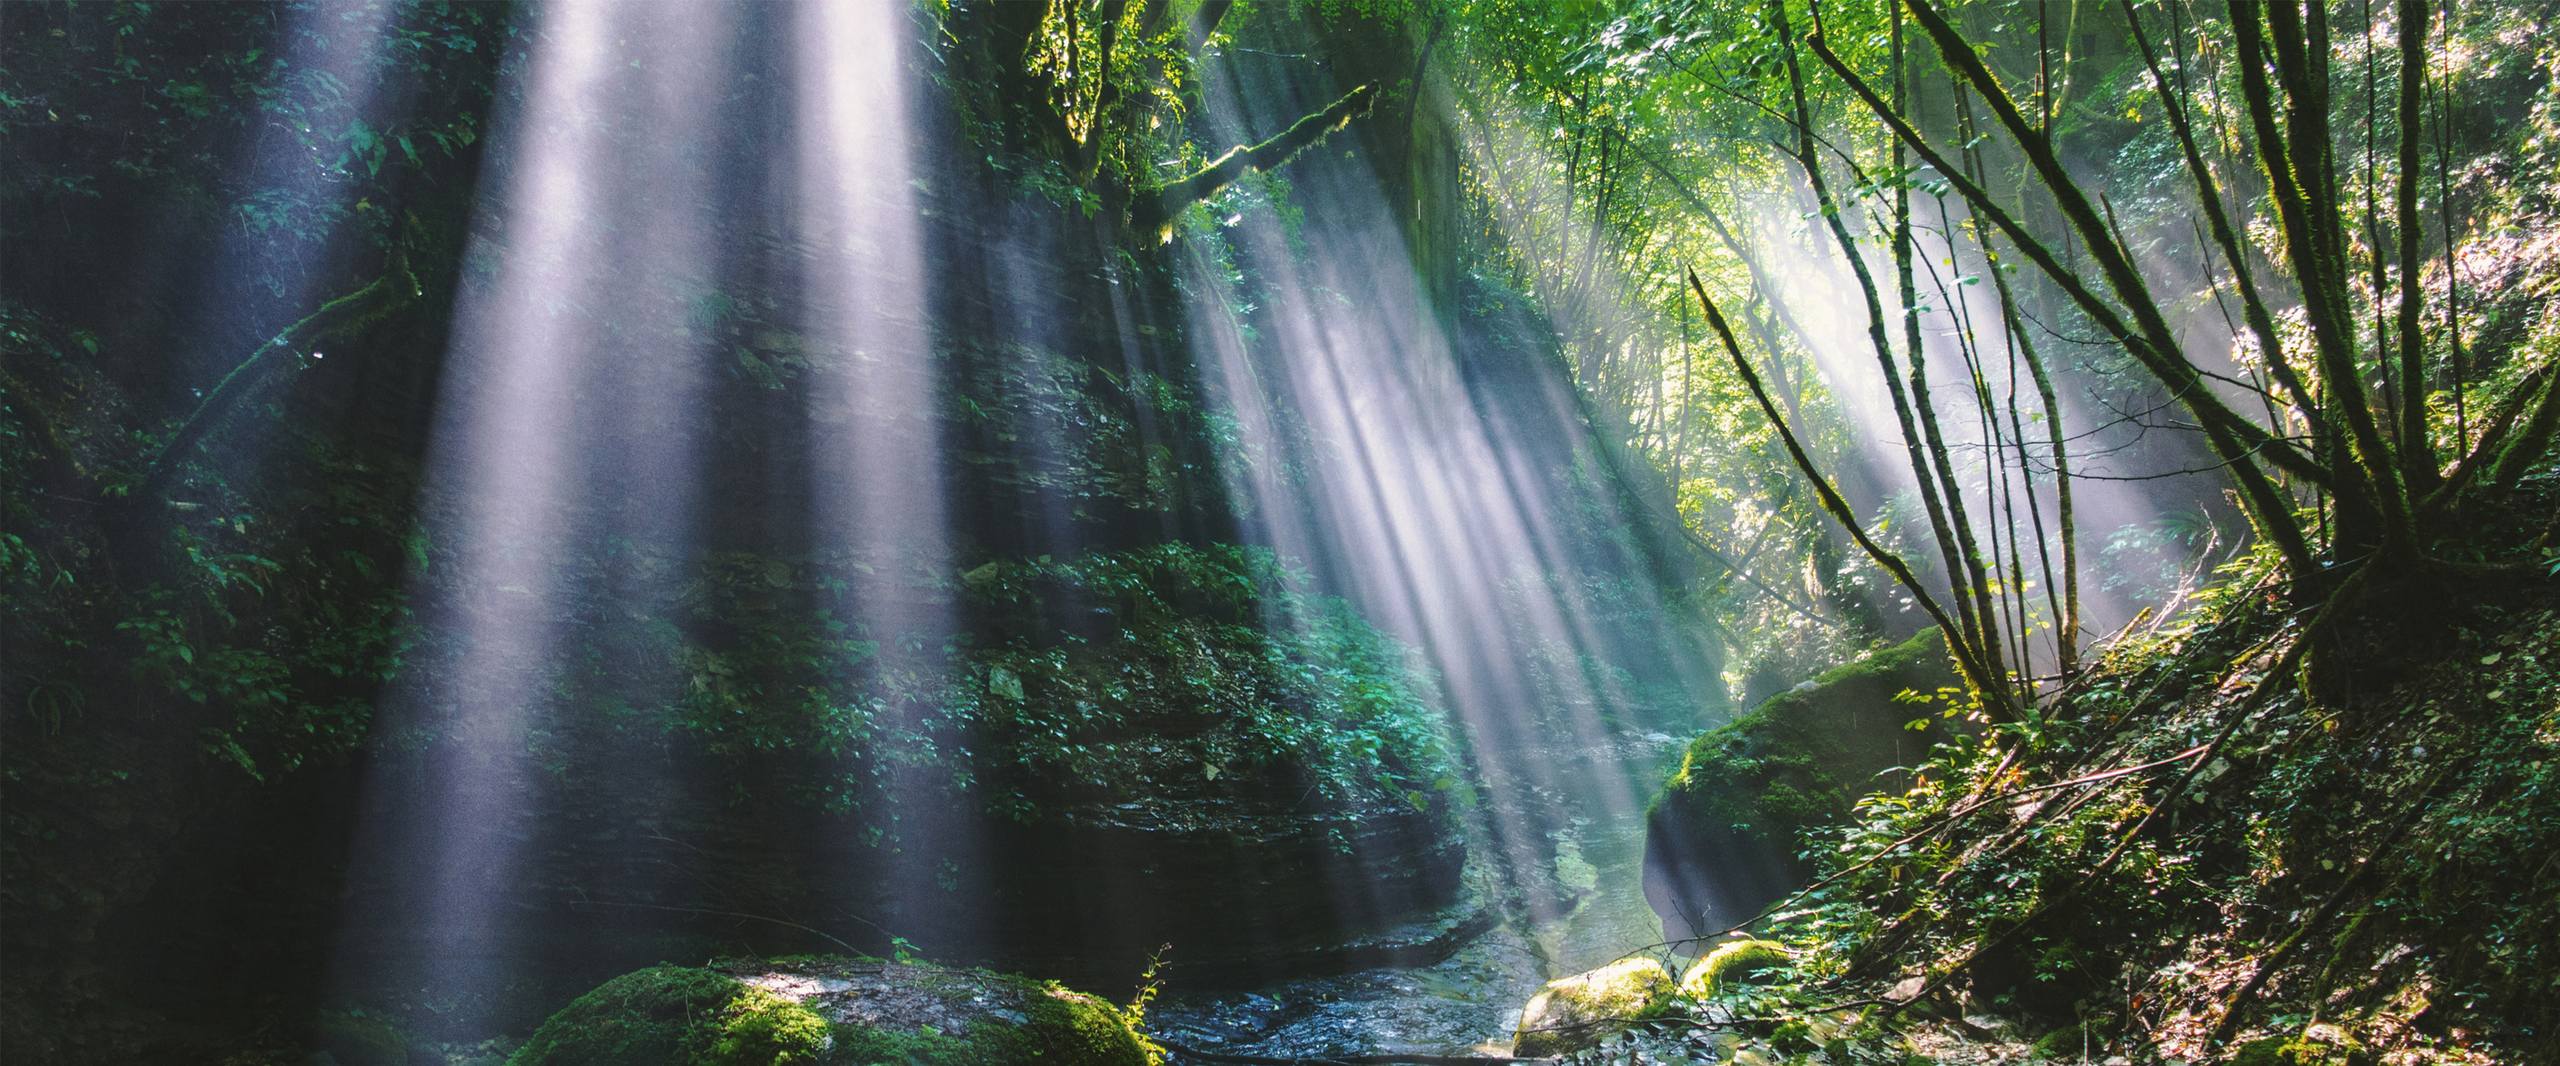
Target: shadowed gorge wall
<point>1097,715</point>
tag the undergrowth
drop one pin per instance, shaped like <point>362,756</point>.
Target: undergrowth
<point>2188,856</point>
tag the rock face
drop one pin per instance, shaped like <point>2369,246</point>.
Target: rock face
<point>1722,838</point>
<point>1164,746</point>
<point>1078,892</point>
<point>819,1011</point>
<point>1577,1012</point>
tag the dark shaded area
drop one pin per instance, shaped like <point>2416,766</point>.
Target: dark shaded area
<point>199,844</point>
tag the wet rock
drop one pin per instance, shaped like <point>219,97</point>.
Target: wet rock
<point>1573,1013</point>
<point>1721,840</point>
<point>2320,1044</point>
<point>1093,890</point>
<point>835,1010</point>
<point>679,1016</point>
<point>353,1038</point>
<point>1075,788</point>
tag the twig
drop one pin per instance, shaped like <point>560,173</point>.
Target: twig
<point>711,913</point>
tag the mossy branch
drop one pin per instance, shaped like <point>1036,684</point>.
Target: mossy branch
<point>2530,443</point>
<point>2154,342</point>
<point>2299,186</point>
<point>2253,307</point>
<point>2417,453</point>
<point>2493,441</point>
<point>1106,100</point>
<point>1156,211</point>
<point>347,314</point>
<point>1956,553</point>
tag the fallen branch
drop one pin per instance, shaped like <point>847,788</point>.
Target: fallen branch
<point>2268,685</point>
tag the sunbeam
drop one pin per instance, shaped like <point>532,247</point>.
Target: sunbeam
<point>1153,532</point>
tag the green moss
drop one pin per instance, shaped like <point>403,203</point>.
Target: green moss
<point>2319,1045</point>
<point>1086,681</point>
<point>683,1016</point>
<point>2071,1043</point>
<point>1730,962</point>
<point>2265,1051</point>
<point>1060,1026</point>
<point>1793,1037</point>
<point>358,1039</point>
<point>761,1027</point>
<point>1803,757</point>
<point>1576,1012</point>
<point>677,1015</point>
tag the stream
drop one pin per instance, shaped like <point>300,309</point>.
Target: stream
<point>1469,1002</point>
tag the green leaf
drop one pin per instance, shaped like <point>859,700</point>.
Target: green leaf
<point>1003,682</point>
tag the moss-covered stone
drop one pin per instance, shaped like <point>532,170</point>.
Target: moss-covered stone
<point>358,1039</point>
<point>827,1011</point>
<point>679,1016</point>
<point>1730,963</point>
<point>1722,837</point>
<point>2085,1040</point>
<point>1576,1012</point>
<point>1060,1026</point>
<point>2319,1045</point>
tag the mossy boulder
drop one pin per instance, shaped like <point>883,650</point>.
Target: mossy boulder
<point>2321,1044</point>
<point>2081,1041</point>
<point>354,1038</point>
<point>1722,838</point>
<point>1731,963</point>
<point>678,1015</point>
<point>1576,1012</point>
<point>827,1011</point>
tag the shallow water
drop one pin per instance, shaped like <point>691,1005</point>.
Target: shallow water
<point>1470,1002</point>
